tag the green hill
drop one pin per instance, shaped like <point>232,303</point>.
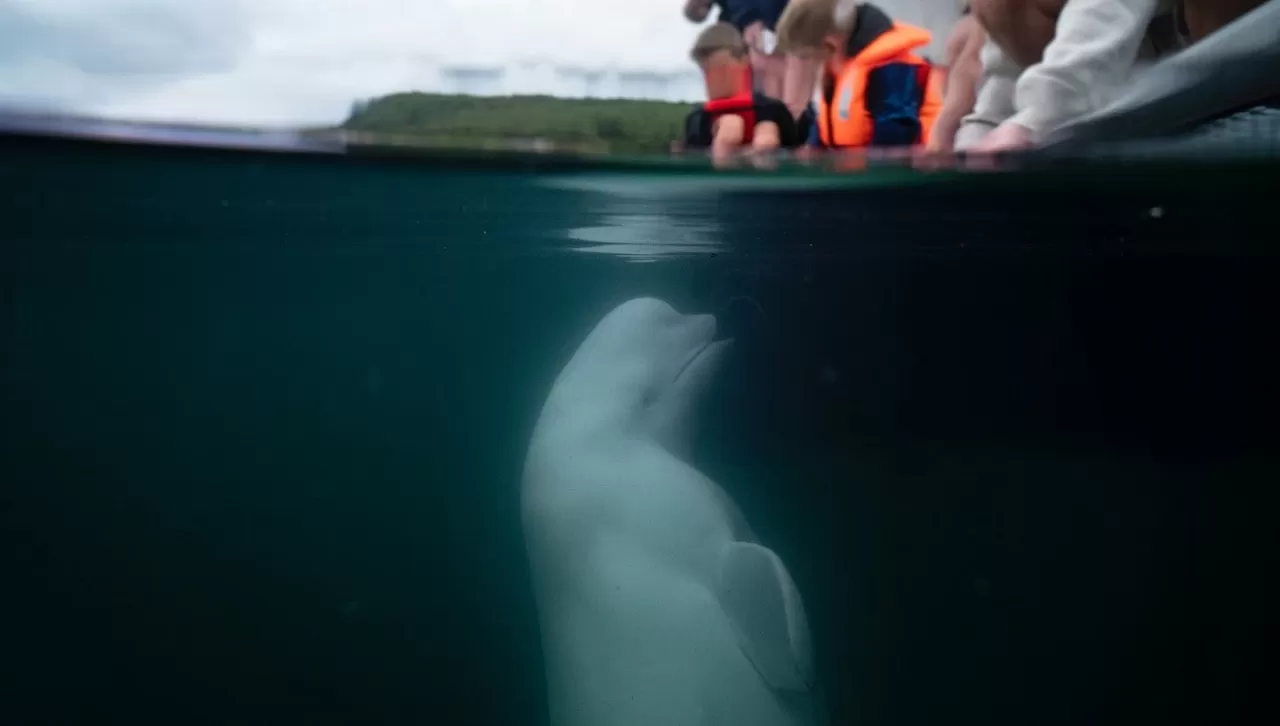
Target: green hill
<point>588,125</point>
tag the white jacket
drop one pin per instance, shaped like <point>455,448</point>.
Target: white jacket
<point>1096,47</point>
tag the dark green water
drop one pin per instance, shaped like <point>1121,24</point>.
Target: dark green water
<point>264,417</point>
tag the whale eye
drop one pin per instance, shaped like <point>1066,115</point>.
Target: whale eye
<point>650,397</point>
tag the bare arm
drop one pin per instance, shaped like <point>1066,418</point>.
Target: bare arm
<point>697,10</point>
<point>727,135</point>
<point>766,136</point>
<point>1092,54</point>
<point>729,130</point>
<point>963,73</point>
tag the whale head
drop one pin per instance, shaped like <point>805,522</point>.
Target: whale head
<point>640,372</point>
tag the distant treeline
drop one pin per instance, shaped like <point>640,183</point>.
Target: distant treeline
<point>618,126</point>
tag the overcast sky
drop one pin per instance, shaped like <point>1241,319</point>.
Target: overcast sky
<point>284,62</point>
<point>303,61</point>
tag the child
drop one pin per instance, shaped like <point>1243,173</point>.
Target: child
<point>876,91</point>
<point>734,117</point>
<point>757,20</point>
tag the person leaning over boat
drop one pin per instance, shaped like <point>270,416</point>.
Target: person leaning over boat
<point>1047,63</point>
<point>876,90</point>
<point>755,19</point>
<point>786,77</point>
<point>1050,62</point>
<point>735,117</point>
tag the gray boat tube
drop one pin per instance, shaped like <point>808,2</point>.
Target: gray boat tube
<point>1231,71</point>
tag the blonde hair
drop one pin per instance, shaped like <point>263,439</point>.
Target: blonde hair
<point>805,24</point>
<point>718,37</point>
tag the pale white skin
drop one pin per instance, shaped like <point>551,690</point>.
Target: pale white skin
<point>643,622</point>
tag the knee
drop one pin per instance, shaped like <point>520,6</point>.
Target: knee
<point>1022,28</point>
<point>997,14</point>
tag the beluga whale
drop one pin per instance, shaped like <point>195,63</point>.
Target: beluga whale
<point>656,604</point>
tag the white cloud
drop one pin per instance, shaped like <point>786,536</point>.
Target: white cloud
<point>305,61</point>
<point>78,52</point>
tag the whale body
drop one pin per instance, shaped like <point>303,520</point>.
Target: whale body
<point>656,604</point>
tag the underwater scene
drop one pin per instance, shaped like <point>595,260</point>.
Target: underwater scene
<point>295,437</point>
<point>650,363</point>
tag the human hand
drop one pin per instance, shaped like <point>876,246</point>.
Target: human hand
<point>723,157</point>
<point>930,158</point>
<point>807,153</point>
<point>764,160</point>
<point>943,139</point>
<point>1008,136</point>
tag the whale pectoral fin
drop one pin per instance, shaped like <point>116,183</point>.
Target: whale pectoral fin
<point>758,595</point>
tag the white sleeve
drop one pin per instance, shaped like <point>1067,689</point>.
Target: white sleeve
<point>1092,54</point>
<point>995,96</point>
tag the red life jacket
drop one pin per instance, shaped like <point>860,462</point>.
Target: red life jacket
<point>742,105</point>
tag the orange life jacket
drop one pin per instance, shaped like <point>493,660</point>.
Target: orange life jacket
<point>844,119</point>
